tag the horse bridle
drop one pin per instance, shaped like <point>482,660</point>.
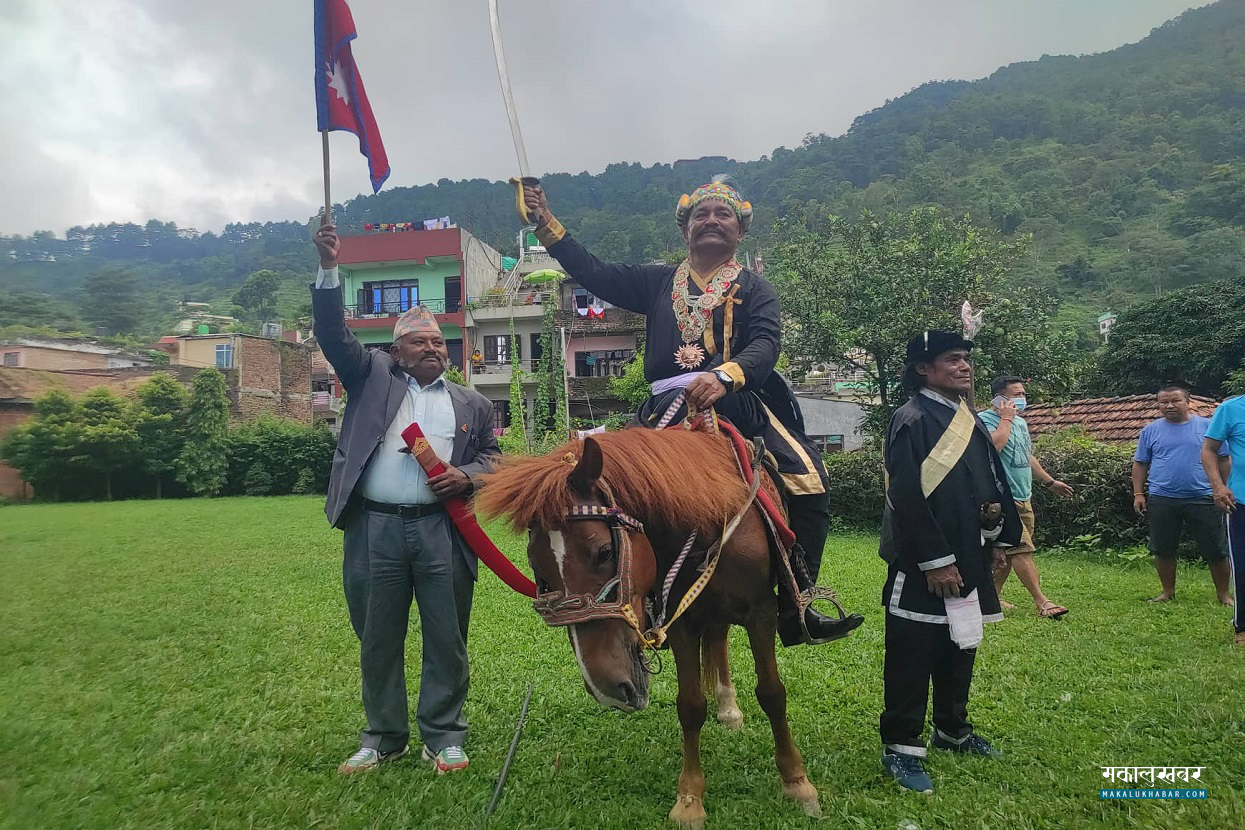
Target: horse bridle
<point>559,608</point>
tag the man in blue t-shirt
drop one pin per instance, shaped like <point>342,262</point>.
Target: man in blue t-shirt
<point>1169,455</point>
<point>1227,428</point>
<point>1010,435</point>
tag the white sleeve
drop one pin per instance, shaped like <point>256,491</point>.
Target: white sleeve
<point>327,279</point>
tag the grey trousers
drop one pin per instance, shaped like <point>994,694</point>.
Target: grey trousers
<point>388,560</point>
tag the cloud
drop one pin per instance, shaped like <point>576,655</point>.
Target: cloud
<point>203,113</point>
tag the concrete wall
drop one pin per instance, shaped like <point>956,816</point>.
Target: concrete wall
<point>41,357</point>
<point>199,352</point>
<point>481,266</point>
<point>833,417</point>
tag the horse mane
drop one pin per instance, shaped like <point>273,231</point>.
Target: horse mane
<point>673,477</point>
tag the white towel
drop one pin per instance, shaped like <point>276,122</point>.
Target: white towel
<point>964,619</point>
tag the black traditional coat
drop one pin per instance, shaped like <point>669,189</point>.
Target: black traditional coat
<point>923,531</point>
<point>761,402</point>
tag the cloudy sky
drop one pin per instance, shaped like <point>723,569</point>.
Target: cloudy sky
<point>203,113</point>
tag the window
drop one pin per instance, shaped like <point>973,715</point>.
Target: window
<point>501,414</point>
<point>497,348</point>
<point>12,358</point>
<point>389,297</point>
<point>582,300</point>
<point>455,350</point>
<point>602,364</point>
<point>224,355</point>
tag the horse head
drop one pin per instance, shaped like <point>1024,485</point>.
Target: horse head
<point>591,569</point>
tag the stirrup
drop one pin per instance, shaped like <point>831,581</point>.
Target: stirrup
<point>805,601</point>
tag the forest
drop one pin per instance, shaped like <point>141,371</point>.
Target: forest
<point>1124,171</point>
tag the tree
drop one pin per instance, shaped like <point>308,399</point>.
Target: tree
<point>1195,335</point>
<point>110,442</point>
<point>203,464</point>
<point>257,297</point>
<point>112,301</point>
<point>855,292</point>
<point>160,422</point>
<point>631,385</point>
<point>44,449</point>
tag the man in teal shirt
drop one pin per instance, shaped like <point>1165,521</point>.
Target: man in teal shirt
<point>1011,438</point>
<point>1228,427</point>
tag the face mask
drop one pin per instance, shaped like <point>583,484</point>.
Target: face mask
<point>1020,403</point>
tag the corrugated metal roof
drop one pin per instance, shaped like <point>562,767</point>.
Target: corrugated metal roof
<point>1113,420</point>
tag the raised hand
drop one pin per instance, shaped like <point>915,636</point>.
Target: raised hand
<point>328,244</point>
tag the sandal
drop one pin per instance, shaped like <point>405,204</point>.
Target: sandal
<point>1052,611</point>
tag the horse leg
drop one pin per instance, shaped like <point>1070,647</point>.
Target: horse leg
<point>689,809</point>
<point>717,676</point>
<point>772,696</point>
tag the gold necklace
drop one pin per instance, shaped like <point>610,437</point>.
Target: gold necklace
<point>695,315</point>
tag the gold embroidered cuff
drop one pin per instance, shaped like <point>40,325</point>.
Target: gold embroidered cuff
<point>736,372</point>
<point>551,232</point>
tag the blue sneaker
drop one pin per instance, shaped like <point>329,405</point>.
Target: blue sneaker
<point>973,744</point>
<point>908,771</point>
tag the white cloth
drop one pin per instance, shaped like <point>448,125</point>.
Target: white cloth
<point>395,477</point>
<point>676,382</point>
<point>964,619</point>
<point>328,279</point>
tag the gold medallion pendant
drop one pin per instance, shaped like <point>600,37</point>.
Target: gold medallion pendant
<point>689,356</point>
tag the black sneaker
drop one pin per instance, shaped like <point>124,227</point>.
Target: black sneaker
<point>908,771</point>
<point>972,744</point>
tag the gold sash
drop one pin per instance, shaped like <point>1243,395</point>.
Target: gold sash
<point>948,451</point>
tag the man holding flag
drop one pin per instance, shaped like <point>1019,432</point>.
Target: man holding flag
<point>400,543</point>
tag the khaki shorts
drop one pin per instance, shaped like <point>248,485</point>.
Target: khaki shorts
<point>1025,508</point>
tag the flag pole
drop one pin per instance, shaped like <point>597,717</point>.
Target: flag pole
<point>328,201</point>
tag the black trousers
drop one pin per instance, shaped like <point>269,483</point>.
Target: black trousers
<point>809,519</point>
<point>916,654</point>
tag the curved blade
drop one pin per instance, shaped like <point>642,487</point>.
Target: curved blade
<point>502,75</point>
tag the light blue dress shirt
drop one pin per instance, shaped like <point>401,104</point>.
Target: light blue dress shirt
<point>395,477</point>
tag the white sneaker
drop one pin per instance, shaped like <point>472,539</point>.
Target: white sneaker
<point>368,759</point>
<point>450,759</point>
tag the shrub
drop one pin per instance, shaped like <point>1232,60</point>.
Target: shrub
<point>855,489</point>
<point>277,457</point>
<point>1102,505</point>
<point>1101,509</point>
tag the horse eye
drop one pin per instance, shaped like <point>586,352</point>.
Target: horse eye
<point>604,554</point>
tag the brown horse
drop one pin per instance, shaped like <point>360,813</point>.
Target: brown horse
<point>583,506</point>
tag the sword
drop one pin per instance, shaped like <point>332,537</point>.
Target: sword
<point>525,176</point>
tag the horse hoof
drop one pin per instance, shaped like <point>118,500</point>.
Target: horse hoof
<point>805,793</point>
<point>688,812</point>
<point>732,719</point>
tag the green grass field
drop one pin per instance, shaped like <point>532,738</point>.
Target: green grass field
<point>190,664</point>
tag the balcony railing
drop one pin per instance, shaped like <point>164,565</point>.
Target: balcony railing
<point>324,402</point>
<point>447,306</point>
<point>499,367</point>
<point>506,300</point>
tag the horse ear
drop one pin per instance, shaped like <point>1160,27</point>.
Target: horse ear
<point>584,477</point>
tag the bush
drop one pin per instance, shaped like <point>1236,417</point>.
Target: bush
<point>855,489</point>
<point>1101,508</point>
<point>1102,505</point>
<point>272,456</point>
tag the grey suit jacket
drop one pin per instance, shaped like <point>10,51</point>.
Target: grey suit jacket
<point>375,387</point>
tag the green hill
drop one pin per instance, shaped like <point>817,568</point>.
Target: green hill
<point>1127,167</point>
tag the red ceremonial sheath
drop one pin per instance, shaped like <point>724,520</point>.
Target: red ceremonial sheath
<point>465,519</point>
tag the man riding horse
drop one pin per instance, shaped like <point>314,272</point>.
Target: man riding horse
<point>713,334</point>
